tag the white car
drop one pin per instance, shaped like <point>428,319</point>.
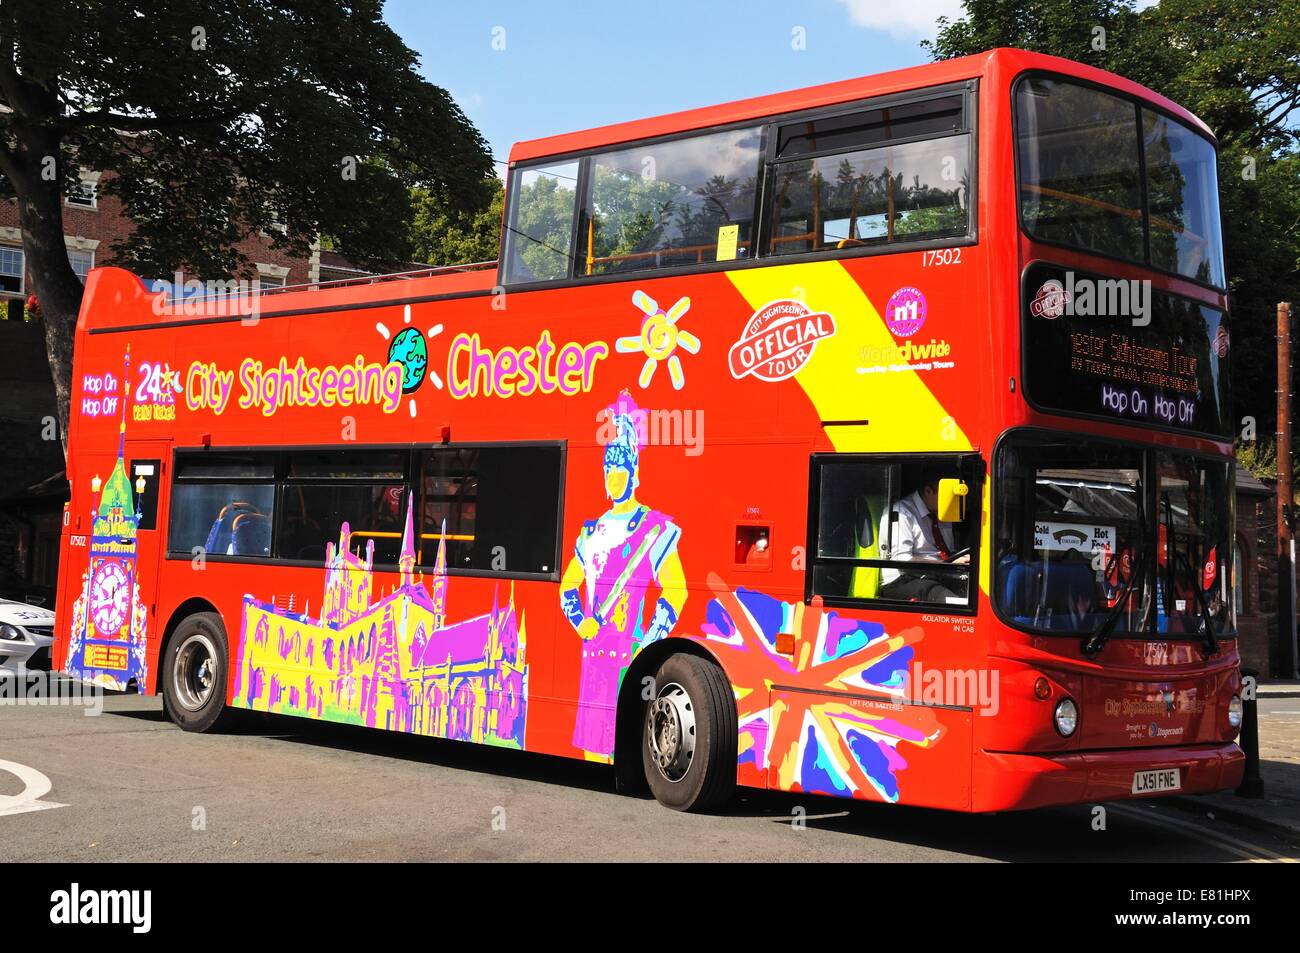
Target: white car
<point>26,634</point>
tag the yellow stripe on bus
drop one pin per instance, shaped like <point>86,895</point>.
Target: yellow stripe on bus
<point>903,414</point>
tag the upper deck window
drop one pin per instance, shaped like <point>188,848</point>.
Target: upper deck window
<point>1080,155</point>
<point>896,170</point>
<point>664,204</point>
<point>539,233</point>
<point>1183,192</point>
<point>890,174</point>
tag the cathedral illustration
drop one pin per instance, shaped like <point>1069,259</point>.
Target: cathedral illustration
<point>107,640</point>
<point>392,662</point>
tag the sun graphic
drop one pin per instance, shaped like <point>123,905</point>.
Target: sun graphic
<point>409,348</point>
<point>659,339</point>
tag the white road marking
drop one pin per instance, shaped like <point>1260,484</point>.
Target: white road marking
<point>1251,852</point>
<point>35,787</point>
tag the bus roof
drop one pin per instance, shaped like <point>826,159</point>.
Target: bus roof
<point>1003,63</point>
<point>135,306</point>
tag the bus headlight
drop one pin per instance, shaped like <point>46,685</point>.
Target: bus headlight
<point>1234,712</point>
<point>1066,717</point>
<point>10,634</point>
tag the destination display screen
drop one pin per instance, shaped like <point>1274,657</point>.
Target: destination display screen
<point>1120,350</point>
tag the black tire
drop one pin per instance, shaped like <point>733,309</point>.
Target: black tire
<point>688,687</point>
<point>194,702</point>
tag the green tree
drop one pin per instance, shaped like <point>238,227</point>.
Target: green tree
<point>218,119</point>
<point>1236,65</point>
<point>441,235</point>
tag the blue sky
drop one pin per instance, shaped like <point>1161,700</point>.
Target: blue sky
<point>571,65</point>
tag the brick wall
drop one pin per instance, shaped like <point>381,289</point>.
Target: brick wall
<point>98,230</point>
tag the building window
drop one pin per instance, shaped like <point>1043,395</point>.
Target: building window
<point>11,270</point>
<point>81,262</point>
<point>84,195</point>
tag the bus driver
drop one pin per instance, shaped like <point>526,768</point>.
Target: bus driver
<point>918,535</point>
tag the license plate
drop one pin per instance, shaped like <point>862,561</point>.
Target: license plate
<point>1156,782</point>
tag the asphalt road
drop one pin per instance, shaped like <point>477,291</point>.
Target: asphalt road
<point>132,787</point>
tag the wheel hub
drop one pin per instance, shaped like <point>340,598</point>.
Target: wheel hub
<point>193,675</point>
<point>670,730</point>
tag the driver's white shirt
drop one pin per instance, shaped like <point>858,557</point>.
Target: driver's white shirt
<point>910,539</point>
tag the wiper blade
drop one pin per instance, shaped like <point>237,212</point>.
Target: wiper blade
<point>1101,635</point>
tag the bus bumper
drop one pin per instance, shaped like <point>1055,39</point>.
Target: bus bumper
<point>1010,782</point>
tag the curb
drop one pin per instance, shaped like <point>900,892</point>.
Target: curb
<point>1191,804</point>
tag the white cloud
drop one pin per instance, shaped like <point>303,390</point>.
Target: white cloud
<point>914,18</point>
<point>909,18</point>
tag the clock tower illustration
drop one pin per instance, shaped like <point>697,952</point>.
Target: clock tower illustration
<point>107,644</point>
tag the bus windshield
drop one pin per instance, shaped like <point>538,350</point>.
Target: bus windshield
<point>1089,529</point>
<point>1099,172</point>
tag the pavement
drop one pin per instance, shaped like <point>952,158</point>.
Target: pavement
<point>1277,812</point>
<point>128,785</point>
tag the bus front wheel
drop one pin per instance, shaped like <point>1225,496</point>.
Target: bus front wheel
<point>688,738</point>
<point>194,672</point>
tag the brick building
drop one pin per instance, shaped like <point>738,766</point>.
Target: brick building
<point>93,223</point>
<point>32,483</point>
<point>1257,575</point>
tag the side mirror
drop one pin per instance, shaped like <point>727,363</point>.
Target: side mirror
<point>952,500</point>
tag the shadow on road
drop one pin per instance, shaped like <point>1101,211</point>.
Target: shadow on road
<point>1066,833</point>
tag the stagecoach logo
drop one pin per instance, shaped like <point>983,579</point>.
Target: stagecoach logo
<point>778,341</point>
<point>1050,300</point>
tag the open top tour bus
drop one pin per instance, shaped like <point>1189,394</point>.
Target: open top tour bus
<point>869,440</point>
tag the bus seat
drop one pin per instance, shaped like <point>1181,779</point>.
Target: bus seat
<point>251,535</point>
<point>1031,589</point>
<point>1019,585</point>
<point>1067,580</point>
<point>219,537</point>
<point>866,517</point>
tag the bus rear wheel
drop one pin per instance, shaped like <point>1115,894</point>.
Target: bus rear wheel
<point>688,738</point>
<point>194,672</point>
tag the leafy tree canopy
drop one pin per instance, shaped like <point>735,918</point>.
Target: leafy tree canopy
<point>217,119</point>
<point>1236,65</point>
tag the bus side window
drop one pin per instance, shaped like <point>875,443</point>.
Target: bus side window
<point>323,491</point>
<point>881,176</point>
<point>221,519</point>
<point>877,535</point>
<point>495,508</point>
<point>539,232</point>
<point>222,504</point>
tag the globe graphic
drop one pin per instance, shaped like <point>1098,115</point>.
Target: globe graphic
<point>409,350</point>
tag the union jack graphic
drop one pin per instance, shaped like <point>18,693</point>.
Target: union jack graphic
<point>790,721</point>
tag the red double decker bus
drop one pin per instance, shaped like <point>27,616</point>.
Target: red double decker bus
<point>869,440</point>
